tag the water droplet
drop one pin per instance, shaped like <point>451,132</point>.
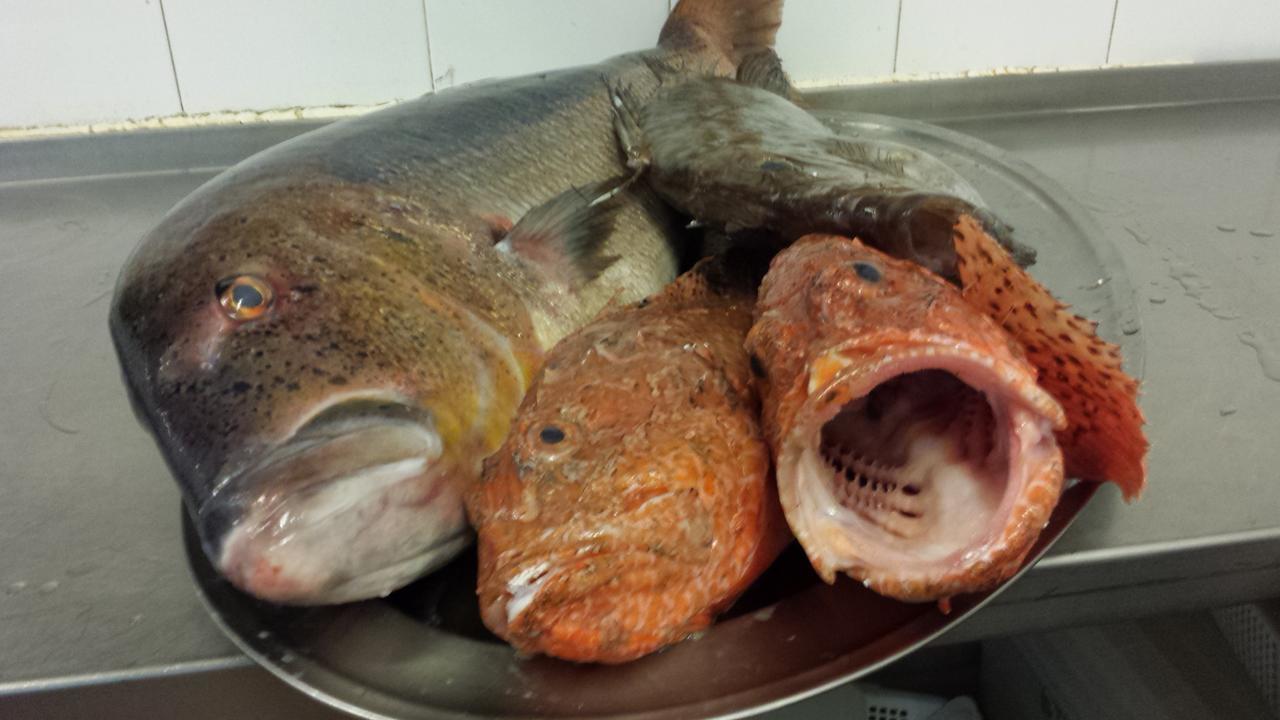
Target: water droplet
<point>264,634</point>
<point>1262,233</point>
<point>1268,357</point>
<point>136,619</point>
<point>1140,237</point>
<point>528,695</point>
<point>1130,326</point>
<point>1227,228</point>
<point>48,587</point>
<point>1157,300</point>
<point>763,615</point>
<point>1227,411</point>
<point>17,587</point>
<point>287,657</point>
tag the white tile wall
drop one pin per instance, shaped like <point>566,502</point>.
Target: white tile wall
<point>82,61</point>
<point>831,41</point>
<point>63,61</point>
<point>1200,30</point>
<point>948,36</point>
<point>477,39</point>
<point>263,54</point>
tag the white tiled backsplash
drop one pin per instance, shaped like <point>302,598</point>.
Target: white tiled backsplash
<point>67,62</point>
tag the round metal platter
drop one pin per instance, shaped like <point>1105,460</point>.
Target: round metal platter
<point>423,653</point>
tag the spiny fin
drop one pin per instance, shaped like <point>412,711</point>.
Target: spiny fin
<point>763,69</point>
<point>732,28</point>
<point>564,237</point>
<point>1104,438</point>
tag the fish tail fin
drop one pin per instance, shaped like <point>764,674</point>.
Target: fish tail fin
<point>735,29</point>
<point>1103,439</point>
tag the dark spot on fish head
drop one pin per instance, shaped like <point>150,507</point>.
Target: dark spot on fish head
<point>395,235</point>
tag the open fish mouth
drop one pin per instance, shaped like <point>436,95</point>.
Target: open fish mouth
<point>924,471</point>
<point>358,502</point>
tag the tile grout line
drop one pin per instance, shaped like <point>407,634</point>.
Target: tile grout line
<point>897,37</point>
<point>431,68</point>
<point>1111,36</point>
<point>173,65</point>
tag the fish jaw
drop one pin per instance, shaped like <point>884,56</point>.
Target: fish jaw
<point>358,502</point>
<point>928,498</point>
<point>597,607</point>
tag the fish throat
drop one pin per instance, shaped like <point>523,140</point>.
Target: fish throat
<point>921,460</point>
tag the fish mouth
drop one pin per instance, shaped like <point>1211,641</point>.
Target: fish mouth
<point>359,501</point>
<point>924,471</point>
<point>588,605</point>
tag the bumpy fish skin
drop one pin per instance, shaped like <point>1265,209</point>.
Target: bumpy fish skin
<point>738,156</point>
<point>323,444</point>
<point>633,500</point>
<point>914,449</point>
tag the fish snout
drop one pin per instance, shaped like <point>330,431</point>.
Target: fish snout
<point>361,500</point>
<point>608,607</point>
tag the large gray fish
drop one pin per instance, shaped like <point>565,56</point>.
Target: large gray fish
<point>327,339</point>
<point>739,154</point>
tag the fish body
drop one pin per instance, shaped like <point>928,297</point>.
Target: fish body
<point>914,449</point>
<point>327,339</point>
<point>736,155</point>
<point>633,499</point>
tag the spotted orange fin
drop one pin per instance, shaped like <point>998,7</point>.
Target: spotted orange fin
<point>1104,438</point>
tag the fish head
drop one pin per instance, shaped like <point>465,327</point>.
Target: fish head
<point>603,517</point>
<point>316,402</point>
<point>916,451</point>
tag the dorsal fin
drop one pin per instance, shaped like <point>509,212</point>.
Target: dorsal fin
<point>1103,439</point>
<point>764,70</point>
<point>733,28</point>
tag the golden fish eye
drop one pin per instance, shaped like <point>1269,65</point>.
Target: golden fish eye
<point>244,297</point>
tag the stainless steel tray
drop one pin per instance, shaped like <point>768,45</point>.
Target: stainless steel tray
<point>422,652</point>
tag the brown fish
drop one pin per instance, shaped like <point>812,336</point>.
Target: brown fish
<point>633,500</point>
<point>914,449</point>
<point>741,155</point>
<point>328,338</point>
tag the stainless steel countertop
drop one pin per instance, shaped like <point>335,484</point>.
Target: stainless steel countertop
<point>93,582</point>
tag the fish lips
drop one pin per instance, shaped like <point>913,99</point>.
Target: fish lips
<point>359,501</point>
<point>590,604</point>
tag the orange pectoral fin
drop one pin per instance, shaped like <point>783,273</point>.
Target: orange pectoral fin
<point>1104,439</point>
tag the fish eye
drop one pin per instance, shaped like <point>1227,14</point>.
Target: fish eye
<point>244,297</point>
<point>551,435</point>
<point>867,271</point>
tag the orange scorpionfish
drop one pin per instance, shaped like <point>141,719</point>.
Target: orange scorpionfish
<point>915,448</point>
<point>633,499</point>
